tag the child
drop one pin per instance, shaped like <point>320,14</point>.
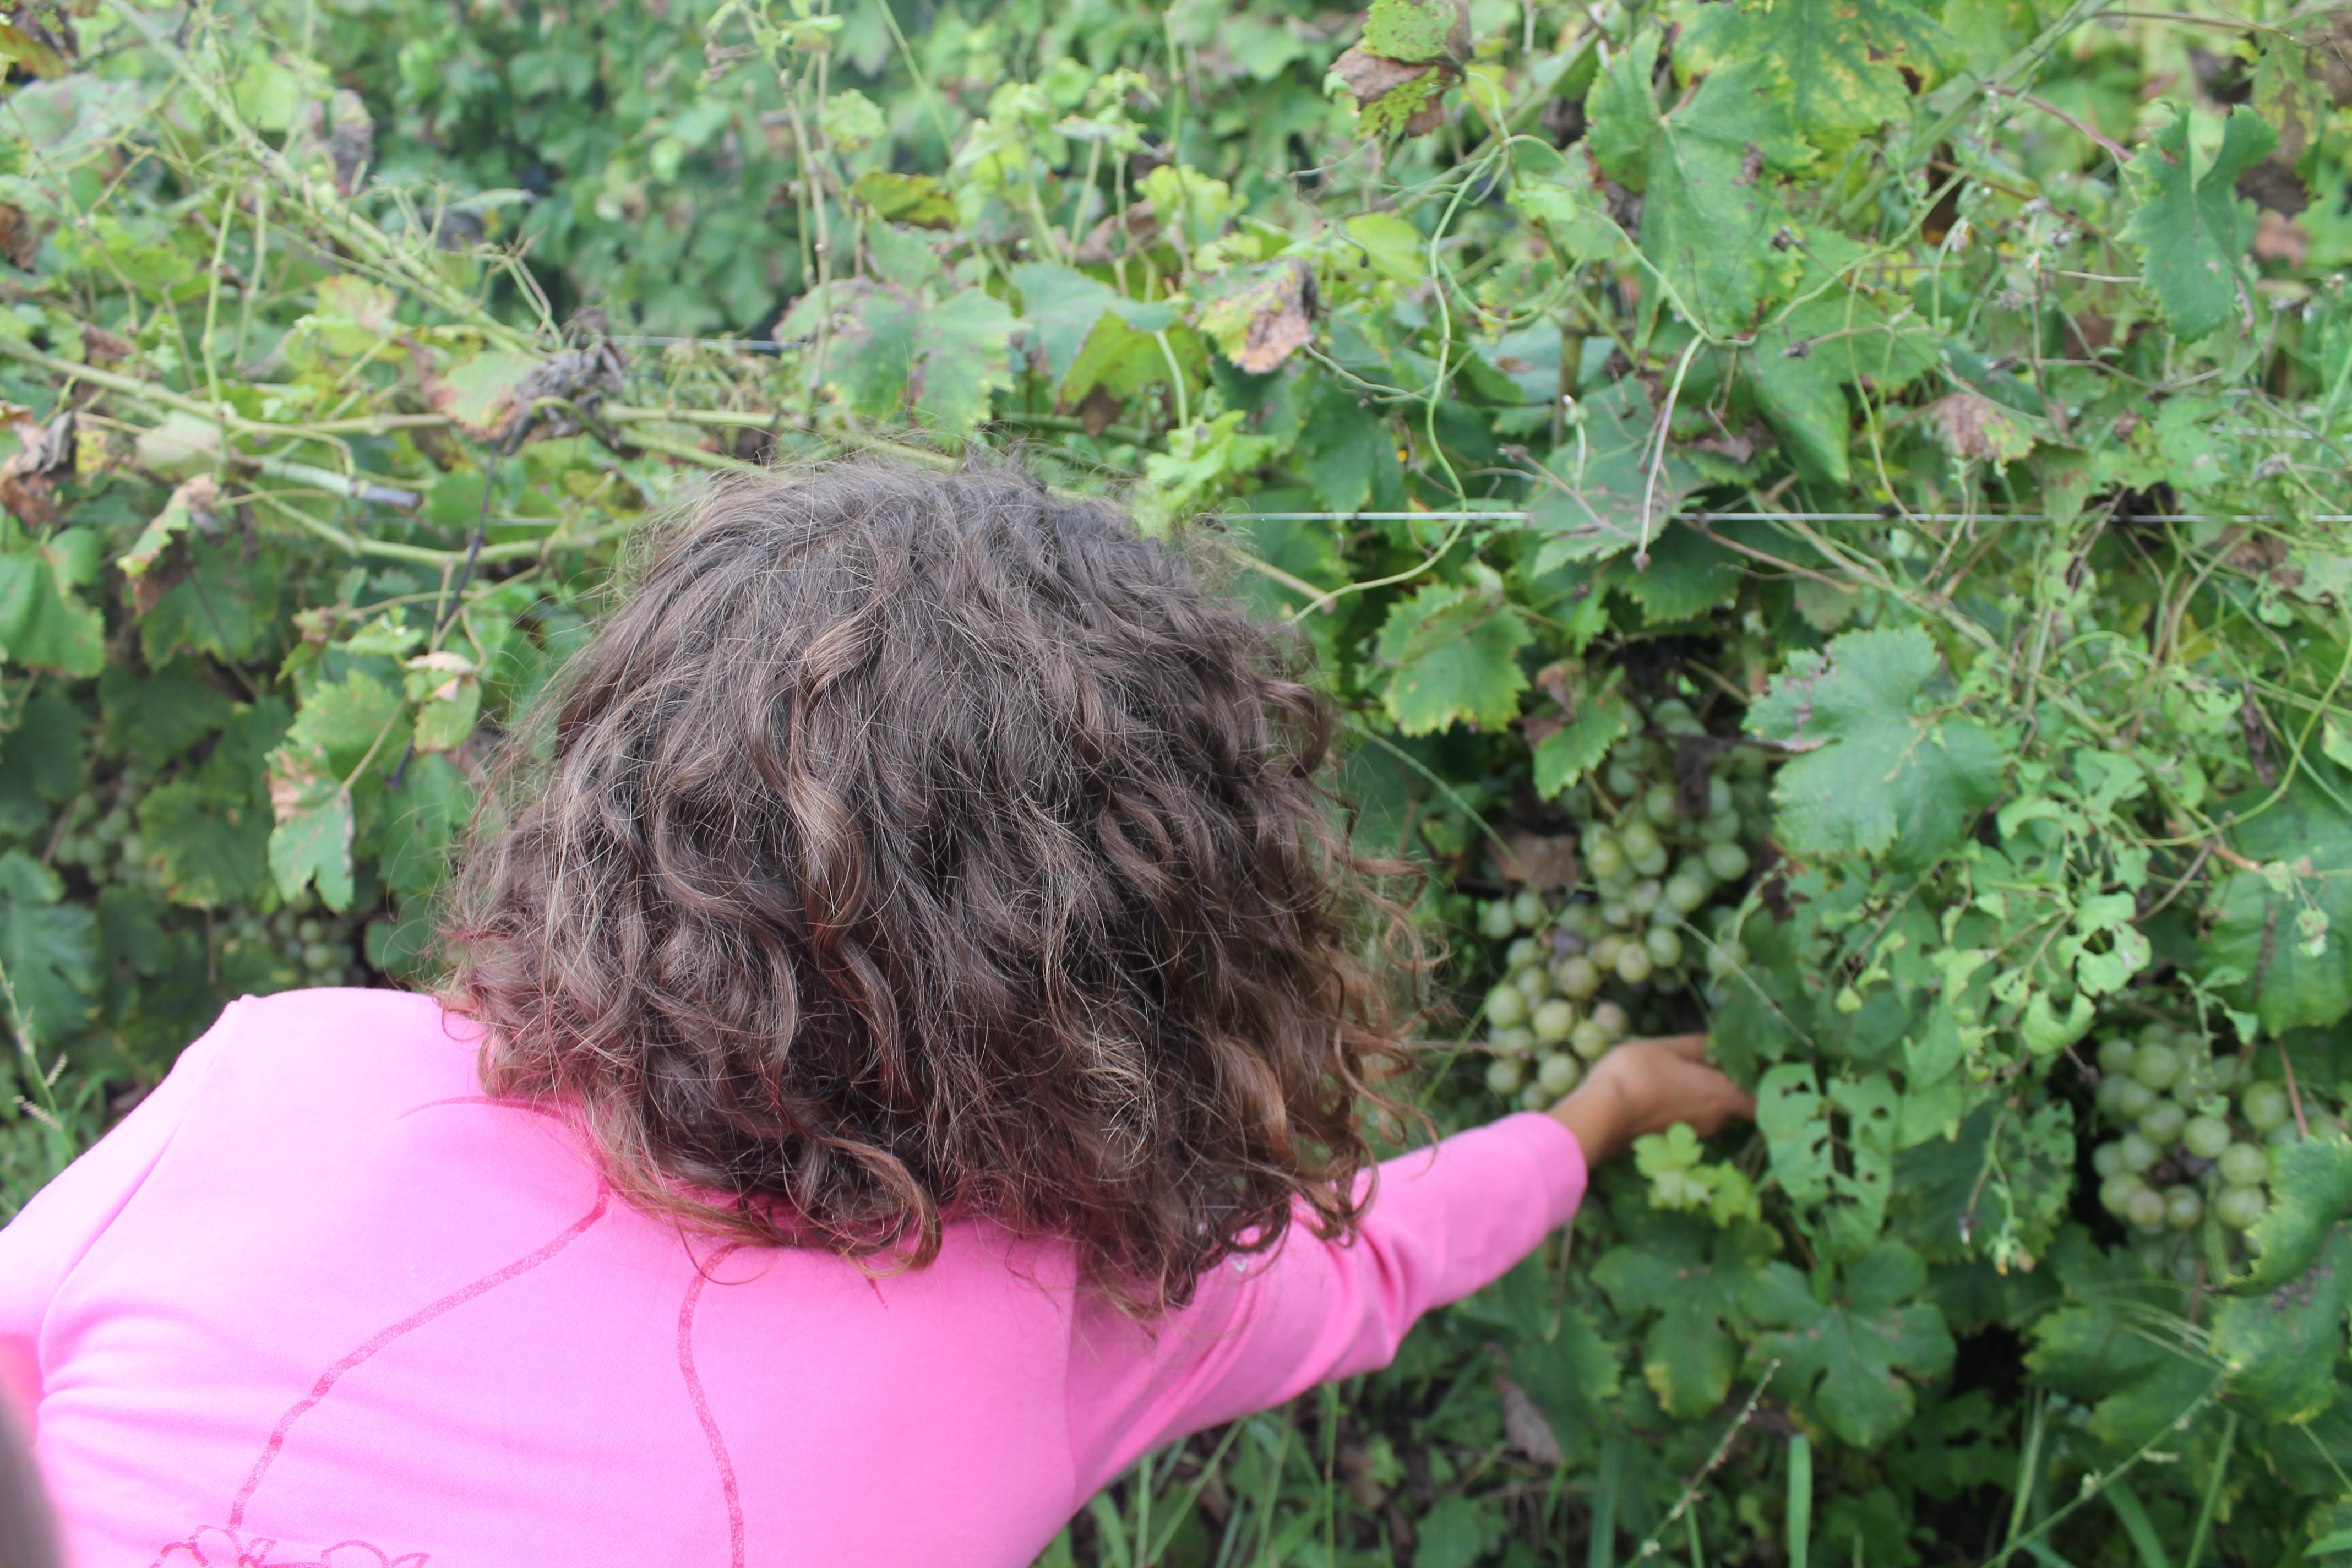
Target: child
<point>900,1064</point>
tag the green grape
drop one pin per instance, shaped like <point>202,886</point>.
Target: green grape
<point>1616,887</point>
<point>2158,1033</point>
<point>2285,1132</point>
<point>1530,909</point>
<point>1494,921</point>
<point>1623,780</point>
<point>1718,798</point>
<point>1533,1098</point>
<point>2207,1137</point>
<point>1613,1021</point>
<point>1577,976</point>
<point>1520,954</point>
<point>1504,1075</point>
<point>1506,1006</point>
<point>282,927</point>
<point>1558,1073</point>
<point>1552,1021</point>
<point>1588,1039</point>
<point>1672,712</point>
<point>1640,841</point>
<point>1603,857</point>
<point>2265,1106</point>
<point>2241,1208</point>
<point>2162,1124</point>
<point>1665,945</point>
<point>1685,893</point>
<point>2156,1065</point>
<point>310,930</point>
<point>2139,1155</point>
<point>1728,861</point>
<point>1725,958</point>
<point>1646,896</point>
<point>1660,807</point>
<point>1653,864</point>
<point>2145,1208</point>
<point>1618,912</point>
<point>1634,964</point>
<point>321,956</point>
<point>1519,1042</point>
<point>2115,1058</point>
<point>1583,919</point>
<point>2243,1166</point>
<point>1721,827</point>
<point>1535,980</point>
<point>2133,1099</point>
<point>2183,1207</point>
<point>2107,1159</point>
<point>2183,1266</point>
<point>2116,1192</point>
<point>1606,952</point>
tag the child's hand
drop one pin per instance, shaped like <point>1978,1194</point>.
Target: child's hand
<point>1647,1086</point>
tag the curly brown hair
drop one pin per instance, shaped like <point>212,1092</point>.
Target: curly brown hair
<point>907,846</point>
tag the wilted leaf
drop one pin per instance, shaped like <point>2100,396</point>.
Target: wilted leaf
<point>1973,426</point>
<point>1265,321</point>
<point>1394,98</point>
<point>917,200</point>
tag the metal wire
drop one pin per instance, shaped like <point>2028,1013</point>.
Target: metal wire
<point>1772,517</point>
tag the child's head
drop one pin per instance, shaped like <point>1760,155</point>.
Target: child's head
<point>912,842</point>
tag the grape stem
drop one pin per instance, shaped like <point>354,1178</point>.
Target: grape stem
<point>2293,1094</point>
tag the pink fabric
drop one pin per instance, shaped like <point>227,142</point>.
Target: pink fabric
<point>317,1300</point>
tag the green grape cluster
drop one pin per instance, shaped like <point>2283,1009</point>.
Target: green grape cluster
<point>320,946</point>
<point>2193,1130</point>
<point>99,832</point>
<point>1650,916</point>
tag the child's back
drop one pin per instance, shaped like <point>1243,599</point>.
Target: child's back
<point>919,952</point>
<point>321,1300</point>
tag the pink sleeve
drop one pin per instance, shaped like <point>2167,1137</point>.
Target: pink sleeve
<point>51,1234</point>
<point>1444,1222</point>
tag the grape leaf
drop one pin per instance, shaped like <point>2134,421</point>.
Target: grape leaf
<point>2310,1191</point>
<point>422,818</point>
<point>48,951</point>
<point>1844,60</point>
<point>209,851</point>
<point>894,352</point>
<point>312,840</point>
<point>1576,747</point>
<point>2139,1376</point>
<point>342,721</point>
<point>217,605</point>
<point>42,622</point>
<point>1417,30</point>
<point>2281,1348</point>
<point>1453,654</point>
<point>2194,231</point>
<point>1693,1281</point>
<point>161,713</point>
<point>1853,1357</point>
<point>1349,458</point>
<point>1598,481</point>
<point>1061,306</point>
<point>1711,211</point>
<point>40,763</point>
<point>1871,768</point>
<point>1686,573</point>
<point>2253,940</point>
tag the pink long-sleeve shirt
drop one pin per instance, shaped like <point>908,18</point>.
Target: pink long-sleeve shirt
<point>319,1300</point>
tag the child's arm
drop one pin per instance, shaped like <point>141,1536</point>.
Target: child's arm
<point>39,1248</point>
<point>1445,1222</point>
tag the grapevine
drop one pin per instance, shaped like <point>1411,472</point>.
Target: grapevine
<point>1825,525</point>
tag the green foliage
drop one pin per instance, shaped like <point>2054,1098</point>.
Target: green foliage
<point>1838,513</point>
